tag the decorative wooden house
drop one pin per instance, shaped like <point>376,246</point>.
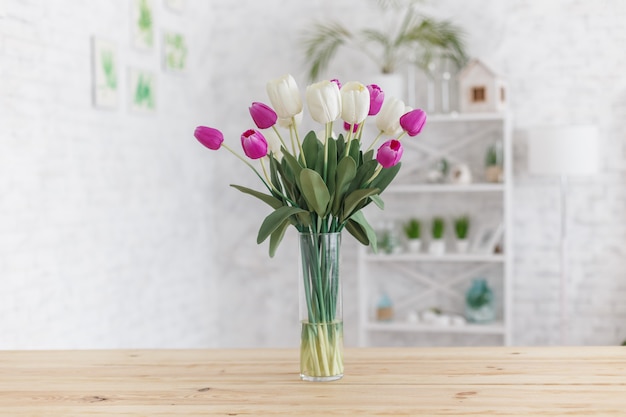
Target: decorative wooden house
<point>480,89</point>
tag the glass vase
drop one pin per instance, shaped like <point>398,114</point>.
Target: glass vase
<point>321,314</point>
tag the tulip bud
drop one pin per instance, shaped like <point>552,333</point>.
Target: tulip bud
<point>377,96</point>
<point>413,121</point>
<point>284,96</point>
<point>389,153</point>
<point>209,137</point>
<point>254,144</point>
<point>324,101</point>
<point>346,127</point>
<point>355,102</point>
<point>336,81</point>
<point>263,115</point>
<point>388,120</point>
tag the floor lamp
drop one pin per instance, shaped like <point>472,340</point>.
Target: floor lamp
<point>564,152</point>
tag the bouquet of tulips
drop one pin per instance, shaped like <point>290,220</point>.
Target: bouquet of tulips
<point>319,184</point>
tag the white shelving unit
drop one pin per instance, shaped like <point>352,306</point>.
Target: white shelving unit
<point>468,264</point>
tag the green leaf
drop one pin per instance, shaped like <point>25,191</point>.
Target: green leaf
<point>346,170</point>
<point>357,231</point>
<point>378,201</point>
<point>359,218</point>
<point>385,177</point>
<point>363,174</point>
<point>272,201</point>
<point>331,165</point>
<point>310,148</point>
<point>274,221</point>
<point>354,198</point>
<point>314,191</point>
<point>277,236</point>
<point>293,164</point>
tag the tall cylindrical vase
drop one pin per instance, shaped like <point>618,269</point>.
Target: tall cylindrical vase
<point>321,313</point>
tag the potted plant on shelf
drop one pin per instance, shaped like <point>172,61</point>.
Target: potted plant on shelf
<point>493,163</point>
<point>437,245</point>
<point>416,38</point>
<point>461,229</point>
<point>479,302</point>
<point>412,230</point>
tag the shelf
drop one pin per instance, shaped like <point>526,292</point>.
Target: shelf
<point>493,328</point>
<point>466,117</point>
<point>447,188</point>
<point>424,257</point>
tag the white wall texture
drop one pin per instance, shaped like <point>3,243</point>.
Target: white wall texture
<point>105,215</point>
<point>117,230</point>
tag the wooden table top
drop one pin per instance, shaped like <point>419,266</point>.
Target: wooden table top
<point>503,381</point>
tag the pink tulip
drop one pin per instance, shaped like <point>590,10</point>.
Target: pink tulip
<point>389,153</point>
<point>413,121</point>
<point>209,137</point>
<point>346,127</point>
<point>377,96</point>
<point>336,81</point>
<point>254,144</point>
<point>263,115</point>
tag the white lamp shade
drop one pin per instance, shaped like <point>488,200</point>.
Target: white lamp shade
<point>570,150</point>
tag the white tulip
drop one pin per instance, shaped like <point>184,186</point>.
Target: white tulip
<point>288,121</point>
<point>388,120</point>
<point>324,101</point>
<point>273,142</point>
<point>355,102</point>
<point>285,97</point>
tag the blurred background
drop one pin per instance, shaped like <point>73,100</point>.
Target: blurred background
<point>118,230</point>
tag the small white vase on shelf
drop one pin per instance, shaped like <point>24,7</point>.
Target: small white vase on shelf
<point>462,245</point>
<point>414,245</point>
<point>437,247</point>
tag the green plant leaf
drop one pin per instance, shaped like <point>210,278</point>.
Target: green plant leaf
<point>274,221</point>
<point>266,198</point>
<point>359,218</point>
<point>346,170</point>
<point>277,236</point>
<point>363,174</point>
<point>385,177</point>
<point>353,199</point>
<point>314,191</point>
<point>311,149</point>
<point>378,201</point>
<point>357,231</point>
<point>331,166</point>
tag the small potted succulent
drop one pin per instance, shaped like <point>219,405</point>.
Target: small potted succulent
<point>412,230</point>
<point>461,230</point>
<point>493,163</point>
<point>437,244</point>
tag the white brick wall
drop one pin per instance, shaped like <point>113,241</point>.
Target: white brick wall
<point>117,230</point>
<point>105,216</point>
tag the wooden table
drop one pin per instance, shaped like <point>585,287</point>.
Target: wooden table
<point>581,381</point>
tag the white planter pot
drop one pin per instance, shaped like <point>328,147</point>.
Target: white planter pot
<point>462,245</point>
<point>437,247</point>
<point>414,245</point>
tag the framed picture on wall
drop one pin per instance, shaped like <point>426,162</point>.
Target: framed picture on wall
<point>174,52</point>
<point>142,24</point>
<point>142,90</point>
<point>105,78</point>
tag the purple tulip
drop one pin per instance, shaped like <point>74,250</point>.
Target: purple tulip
<point>336,81</point>
<point>389,153</point>
<point>377,96</point>
<point>254,144</point>
<point>413,121</point>
<point>263,115</point>
<point>209,137</point>
<point>346,127</point>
